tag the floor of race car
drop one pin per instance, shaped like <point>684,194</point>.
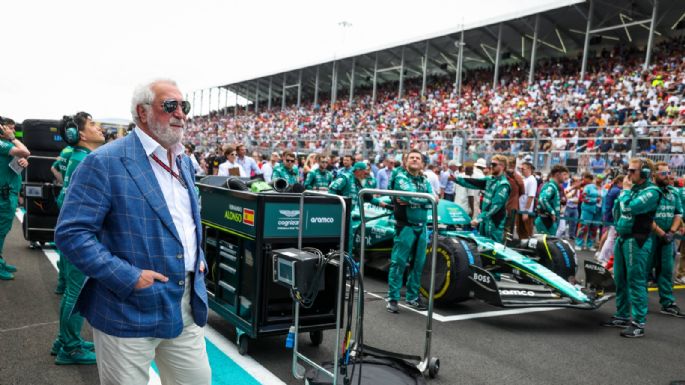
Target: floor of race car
<point>476,343</point>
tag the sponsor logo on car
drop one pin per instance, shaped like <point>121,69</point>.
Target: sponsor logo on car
<point>598,268</point>
<point>527,293</point>
<point>481,278</point>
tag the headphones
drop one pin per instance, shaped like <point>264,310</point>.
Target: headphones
<point>645,171</point>
<point>70,132</point>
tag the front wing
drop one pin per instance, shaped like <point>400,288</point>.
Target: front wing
<point>506,293</point>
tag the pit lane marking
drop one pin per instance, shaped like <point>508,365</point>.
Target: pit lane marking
<point>461,317</point>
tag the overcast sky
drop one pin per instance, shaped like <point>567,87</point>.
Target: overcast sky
<point>60,57</point>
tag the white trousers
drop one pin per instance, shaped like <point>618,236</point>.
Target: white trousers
<point>181,360</point>
<point>608,247</point>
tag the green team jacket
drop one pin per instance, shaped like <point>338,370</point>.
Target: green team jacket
<point>318,179</point>
<point>291,176</point>
<point>669,206</point>
<point>633,208</point>
<point>63,160</point>
<point>77,156</point>
<point>549,201</point>
<point>410,209</point>
<point>348,186</point>
<point>8,178</point>
<point>497,190</point>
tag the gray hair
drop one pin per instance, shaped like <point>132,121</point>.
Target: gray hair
<point>144,95</point>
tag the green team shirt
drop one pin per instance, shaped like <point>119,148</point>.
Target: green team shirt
<point>318,179</point>
<point>63,160</point>
<point>669,206</point>
<point>640,199</point>
<point>291,176</point>
<point>495,196</point>
<point>77,156</point>
<point>416,208</point>
<point>549,201</point>
<point>7,176</point>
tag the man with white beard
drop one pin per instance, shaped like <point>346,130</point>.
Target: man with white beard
<point>131,224</point>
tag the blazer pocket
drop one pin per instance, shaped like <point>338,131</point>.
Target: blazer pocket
<point>147,298</point>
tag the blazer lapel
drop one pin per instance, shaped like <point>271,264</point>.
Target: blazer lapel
<point>183,164</point>
<point>138,166</point>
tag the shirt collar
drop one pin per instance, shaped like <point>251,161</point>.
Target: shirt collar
<point>151,146</point>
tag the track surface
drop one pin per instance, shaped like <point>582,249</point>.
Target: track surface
<point>548,347</point>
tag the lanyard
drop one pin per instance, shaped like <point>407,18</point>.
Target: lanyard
<point>169,170</point>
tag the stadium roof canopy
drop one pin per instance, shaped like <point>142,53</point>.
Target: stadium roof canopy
<point>561,31</point>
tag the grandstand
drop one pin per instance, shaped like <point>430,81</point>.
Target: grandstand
<point>570,78</point>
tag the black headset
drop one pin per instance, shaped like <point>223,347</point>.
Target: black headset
<point>69,131</point>
<point>645,171</point>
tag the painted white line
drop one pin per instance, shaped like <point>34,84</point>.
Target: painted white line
<point>252,367</point>
<point>497,313</point>
<point>462,317</point>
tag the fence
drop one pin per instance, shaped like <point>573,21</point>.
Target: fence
<point>546,147</point>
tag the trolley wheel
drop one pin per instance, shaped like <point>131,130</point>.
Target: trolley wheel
<point>243,344</point>
<point>433,367</point>
<point>316,337</point>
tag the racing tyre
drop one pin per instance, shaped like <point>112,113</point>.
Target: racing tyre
<point>555,255</point>
<point>43,135</point>
<point>451,270</point>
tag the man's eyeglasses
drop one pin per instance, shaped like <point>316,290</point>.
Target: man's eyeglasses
<point>170,105</point>
<point>290,160</point>
<point>632,170</point>
<point>664,173</point>
<point>494,164</point>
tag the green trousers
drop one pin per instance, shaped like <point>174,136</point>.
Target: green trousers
<point>541,228</point>
<point>70,323</point>
<point>61,274</point>
<point>8,208</point>
<point>630,274</point>
<point>409,244</point>
<point>662,260</point>
<point>489,229</point>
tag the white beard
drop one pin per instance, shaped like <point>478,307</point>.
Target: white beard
<point>166,135</point>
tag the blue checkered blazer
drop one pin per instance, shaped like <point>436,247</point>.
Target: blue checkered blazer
<point>115,223</point>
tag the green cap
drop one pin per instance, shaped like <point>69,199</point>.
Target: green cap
<point>359,166</point>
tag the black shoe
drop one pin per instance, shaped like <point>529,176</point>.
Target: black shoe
<point>615,322</point>
<point>633,331</point>
<point>417,304</point>
<point>673,310</point>
<point>392,306</point>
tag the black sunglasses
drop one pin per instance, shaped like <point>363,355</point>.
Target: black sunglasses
<point>632,170</point>
<point>170,105</point>
<point>493,164</point>
<point>290,160</point>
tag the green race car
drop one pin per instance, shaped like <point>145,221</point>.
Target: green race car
<point>539,271</point>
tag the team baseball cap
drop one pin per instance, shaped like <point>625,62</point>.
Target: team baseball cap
<point>481,163</point>
<point>359,166</point>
